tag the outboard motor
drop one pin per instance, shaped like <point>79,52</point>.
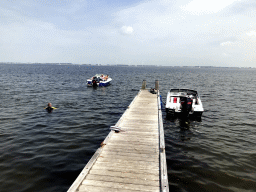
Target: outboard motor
<point>94,82</point>
<point>189,104</point>
<point>184,107</point>
<point>183,101</point>
<point>186,104</point>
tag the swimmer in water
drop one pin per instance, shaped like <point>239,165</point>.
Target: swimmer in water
<point>50,108</point>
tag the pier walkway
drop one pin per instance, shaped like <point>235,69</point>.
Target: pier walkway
<point>132,158</point>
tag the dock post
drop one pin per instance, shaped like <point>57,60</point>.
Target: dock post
<point>143,84</point>
<point>157,85</point>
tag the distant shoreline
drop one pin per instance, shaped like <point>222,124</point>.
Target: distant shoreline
<point>124,65</point>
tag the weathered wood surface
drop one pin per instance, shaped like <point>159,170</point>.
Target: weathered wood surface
<point>128,160</point>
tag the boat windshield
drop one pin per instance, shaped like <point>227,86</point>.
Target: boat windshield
<point>178,94</point>
<point>183,92</point>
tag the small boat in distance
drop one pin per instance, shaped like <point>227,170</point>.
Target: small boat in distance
<point>183,102</point>
<point>99,80</point>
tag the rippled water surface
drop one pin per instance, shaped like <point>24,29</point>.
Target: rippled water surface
<point>43,151</point>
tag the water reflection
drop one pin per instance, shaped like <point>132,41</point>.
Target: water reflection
<point>185,134</point>
<point>184,121</point>
<point>184,125</point>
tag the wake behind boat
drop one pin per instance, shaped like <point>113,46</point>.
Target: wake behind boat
<point>99,80</point>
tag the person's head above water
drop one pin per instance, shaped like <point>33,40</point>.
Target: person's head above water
<point>50,108</point>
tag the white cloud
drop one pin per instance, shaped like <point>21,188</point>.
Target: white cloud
<point>198,7</point>
<point>226,43</point>
<point>251,33</point>
<point>241,51</point>
<point>127,30</point>
<point>226,55</point>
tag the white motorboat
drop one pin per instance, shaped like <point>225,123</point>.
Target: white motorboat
<point>99,80</point>
<point>183,102</point>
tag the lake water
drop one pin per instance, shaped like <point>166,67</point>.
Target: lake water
<point>43,151</point>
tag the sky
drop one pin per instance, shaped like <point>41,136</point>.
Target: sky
<point>133,32</point>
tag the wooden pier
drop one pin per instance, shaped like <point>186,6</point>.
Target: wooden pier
<point>132,157</point>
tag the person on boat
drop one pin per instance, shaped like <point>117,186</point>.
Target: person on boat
<point>106,77</point>
<point>50,108</point>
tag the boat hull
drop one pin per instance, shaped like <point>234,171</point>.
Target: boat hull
<point>170,113</point>
<point>90,83</point>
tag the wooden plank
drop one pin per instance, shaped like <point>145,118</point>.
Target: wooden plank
<point>104,189</point>
<point>127,161</point>
<point>141,130</point>
<point>135,149</point>
<point>126,170</point>
<point>139,165</point>
<point>145,138</point>
<point>124,180</point>
<point>134,132</point>
<point>150,157</point>
<point>142,117</point>
<point>145,106</point>
<point>124,174</point>
<point>116,185</point>
<point>164,186</point>
<point>147,112</point>
<point>120,142</point>
<point>127,157</point>
<point>141,120</point>
<point>136,122</point>
<point>142,135</point>
<point>132,155</point>
<point>128,144</point>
